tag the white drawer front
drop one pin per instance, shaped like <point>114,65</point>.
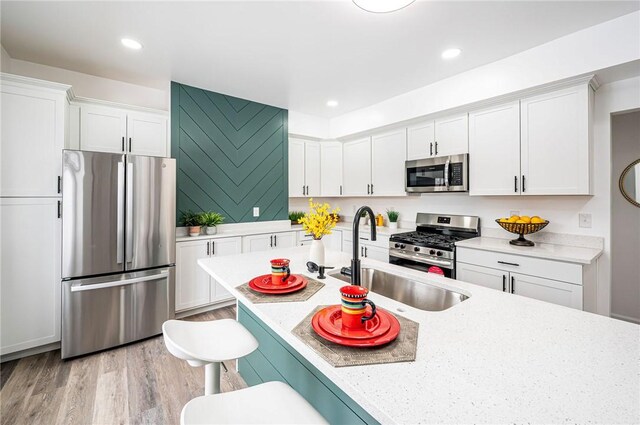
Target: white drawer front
<point>565,272</point>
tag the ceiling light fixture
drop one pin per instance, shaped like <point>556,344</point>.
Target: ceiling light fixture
<point>332,103</point>
<point>131,43</point>
<point>382,6</point>
<point>451,53</point>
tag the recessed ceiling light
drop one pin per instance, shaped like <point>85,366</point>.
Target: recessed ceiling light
<point>451,53</point>
<point>382,6</point>
<point>332,103</point>
<point>131,43</point>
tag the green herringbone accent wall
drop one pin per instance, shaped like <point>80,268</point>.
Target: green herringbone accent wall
<point>231,155</point>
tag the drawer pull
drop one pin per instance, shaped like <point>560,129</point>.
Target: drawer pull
<point>509,264</point>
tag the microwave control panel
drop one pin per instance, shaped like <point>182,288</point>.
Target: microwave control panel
<point>455,174</point>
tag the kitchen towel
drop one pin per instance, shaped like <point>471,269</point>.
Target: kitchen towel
<point>402,349</point>
<point>312,287</point>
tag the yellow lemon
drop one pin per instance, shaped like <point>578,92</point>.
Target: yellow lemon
<point>525,218</point>
<point>513,219</point>
<point>521,222</point>
<point>537,220</point>
<point>504,220</point>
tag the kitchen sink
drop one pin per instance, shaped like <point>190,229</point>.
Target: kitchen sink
<point>408,291</point>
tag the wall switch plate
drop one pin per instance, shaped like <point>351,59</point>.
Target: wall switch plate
<point>514,213</point>
<point>584,220</point>
<point>256,211</point>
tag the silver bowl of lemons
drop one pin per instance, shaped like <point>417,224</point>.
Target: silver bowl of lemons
<point>522,225</point>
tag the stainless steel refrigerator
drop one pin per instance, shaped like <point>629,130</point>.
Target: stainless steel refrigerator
<point>118,249</point>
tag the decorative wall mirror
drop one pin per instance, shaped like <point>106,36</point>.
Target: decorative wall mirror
<point>629,183</point>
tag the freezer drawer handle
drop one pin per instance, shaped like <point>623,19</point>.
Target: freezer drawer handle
<point>79,287</point>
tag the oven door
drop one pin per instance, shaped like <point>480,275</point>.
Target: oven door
<point>442,174</point>
<point>446,266</point>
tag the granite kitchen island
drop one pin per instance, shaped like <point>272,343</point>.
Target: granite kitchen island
<point>493,358</point>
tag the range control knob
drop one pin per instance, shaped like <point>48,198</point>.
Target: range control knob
<point>416,249</point>
<point>439,253</point>
<point>402,246</point>
<point>432,252</point>
<point>397,245</point>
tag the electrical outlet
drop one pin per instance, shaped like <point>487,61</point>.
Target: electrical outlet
<point>514,213</point>
<point>256,211</point>
<point>584,220</point>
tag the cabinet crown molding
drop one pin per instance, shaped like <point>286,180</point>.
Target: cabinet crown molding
<point>80,100</point>
<point>28,82</point>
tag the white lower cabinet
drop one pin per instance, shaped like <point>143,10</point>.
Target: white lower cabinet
<point>268,241</point>
<point>194,287</point>
<point>556,291</point>
<point>29,273</point>
<point>332,242</point>
<point>377,250</point>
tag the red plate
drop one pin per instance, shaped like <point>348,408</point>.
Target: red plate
<point>370,342</point>
<point>330,320</point>
<point>264,282</point>
<point>302,283</point>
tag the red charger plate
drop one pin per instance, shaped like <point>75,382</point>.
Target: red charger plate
<point>386,338</point>
<point>330,320</point>
<point>295,283</point>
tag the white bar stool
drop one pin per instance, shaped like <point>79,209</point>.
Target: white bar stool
<point>208,344</point>
<point>269,403</point>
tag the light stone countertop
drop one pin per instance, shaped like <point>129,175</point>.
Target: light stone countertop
<point>494,358</point>
<point>549,251</point>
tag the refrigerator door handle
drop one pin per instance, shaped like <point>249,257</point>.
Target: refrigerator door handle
<point>129,218</point>
<point>120,224</point>
<point>80,287</point>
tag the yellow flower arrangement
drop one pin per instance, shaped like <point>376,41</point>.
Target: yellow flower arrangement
<point>320,220</point>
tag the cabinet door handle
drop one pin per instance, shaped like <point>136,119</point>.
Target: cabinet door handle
<point>213,248</point>
<point>372,188</point>
<point>207,248</point>
<point>271,241</point>
<point>303,190</point>
<point>431,149</point>
<point>508,264</point>
<point>523,186</point>
<point>436,148</point>
<point>129,144</point>
<point>59,209</point>
<point>275,239</point>
<point>122,143</point>
<point>59,184</point>
<point>365,252</point>
<point>504,283</point>
<point>340,189</point>
<point>307,190</point>
<point>515,184</point>
<point>513,284</point>
<point>368,189</point>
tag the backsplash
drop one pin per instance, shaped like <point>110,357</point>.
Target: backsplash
<point>231,155</point>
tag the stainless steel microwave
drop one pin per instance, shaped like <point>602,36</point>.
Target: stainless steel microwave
<point>441,174</point>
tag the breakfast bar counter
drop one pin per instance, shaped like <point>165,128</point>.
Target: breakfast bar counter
<point>493,358</point>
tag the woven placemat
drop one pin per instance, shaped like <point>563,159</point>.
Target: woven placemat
<point>312,287</point>
<point>402,349</point>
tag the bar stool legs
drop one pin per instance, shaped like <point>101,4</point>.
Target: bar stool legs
<point>212,378</point>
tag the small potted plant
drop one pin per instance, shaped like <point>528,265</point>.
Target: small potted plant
<point>295,217</point>
<point>211,220</point>
<point>393,218</point>
<point>192,221</point>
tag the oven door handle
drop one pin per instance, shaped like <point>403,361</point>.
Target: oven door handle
<point>447,264</point>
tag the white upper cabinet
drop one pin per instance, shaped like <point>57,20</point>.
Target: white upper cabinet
<point>304,168</point>
<point>33,136</point>
<point>312,168</point>
<point>117,130</point>
<point>388,154</point>
<point>494,150</point>
<point>147,134</point>
<point>296,167</point>
<point>356,167</point>
<point>420,139</point>
<point>331,168</point>
<point>452,136</point>
<point>555,143</point>
<point>103,129</point>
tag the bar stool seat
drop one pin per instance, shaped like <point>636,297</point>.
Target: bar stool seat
<point>269,403</point>
<point>208,344</point>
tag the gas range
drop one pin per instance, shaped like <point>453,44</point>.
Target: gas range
<point>433,242</point>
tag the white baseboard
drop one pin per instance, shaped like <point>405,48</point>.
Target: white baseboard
<point>205,308</point>
<point>626,318</point>
<point>29,352</point>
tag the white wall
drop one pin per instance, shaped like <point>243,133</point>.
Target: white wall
<point>625,221</point>
<point>599,47</point>
<point>308,125</point>
<point>5,60</point>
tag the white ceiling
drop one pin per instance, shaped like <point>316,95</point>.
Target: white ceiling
<point>292,54</point>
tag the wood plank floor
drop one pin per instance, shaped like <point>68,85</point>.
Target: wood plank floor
<point>141,383</point>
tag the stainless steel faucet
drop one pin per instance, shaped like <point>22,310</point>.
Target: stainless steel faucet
<point>355,260</point>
